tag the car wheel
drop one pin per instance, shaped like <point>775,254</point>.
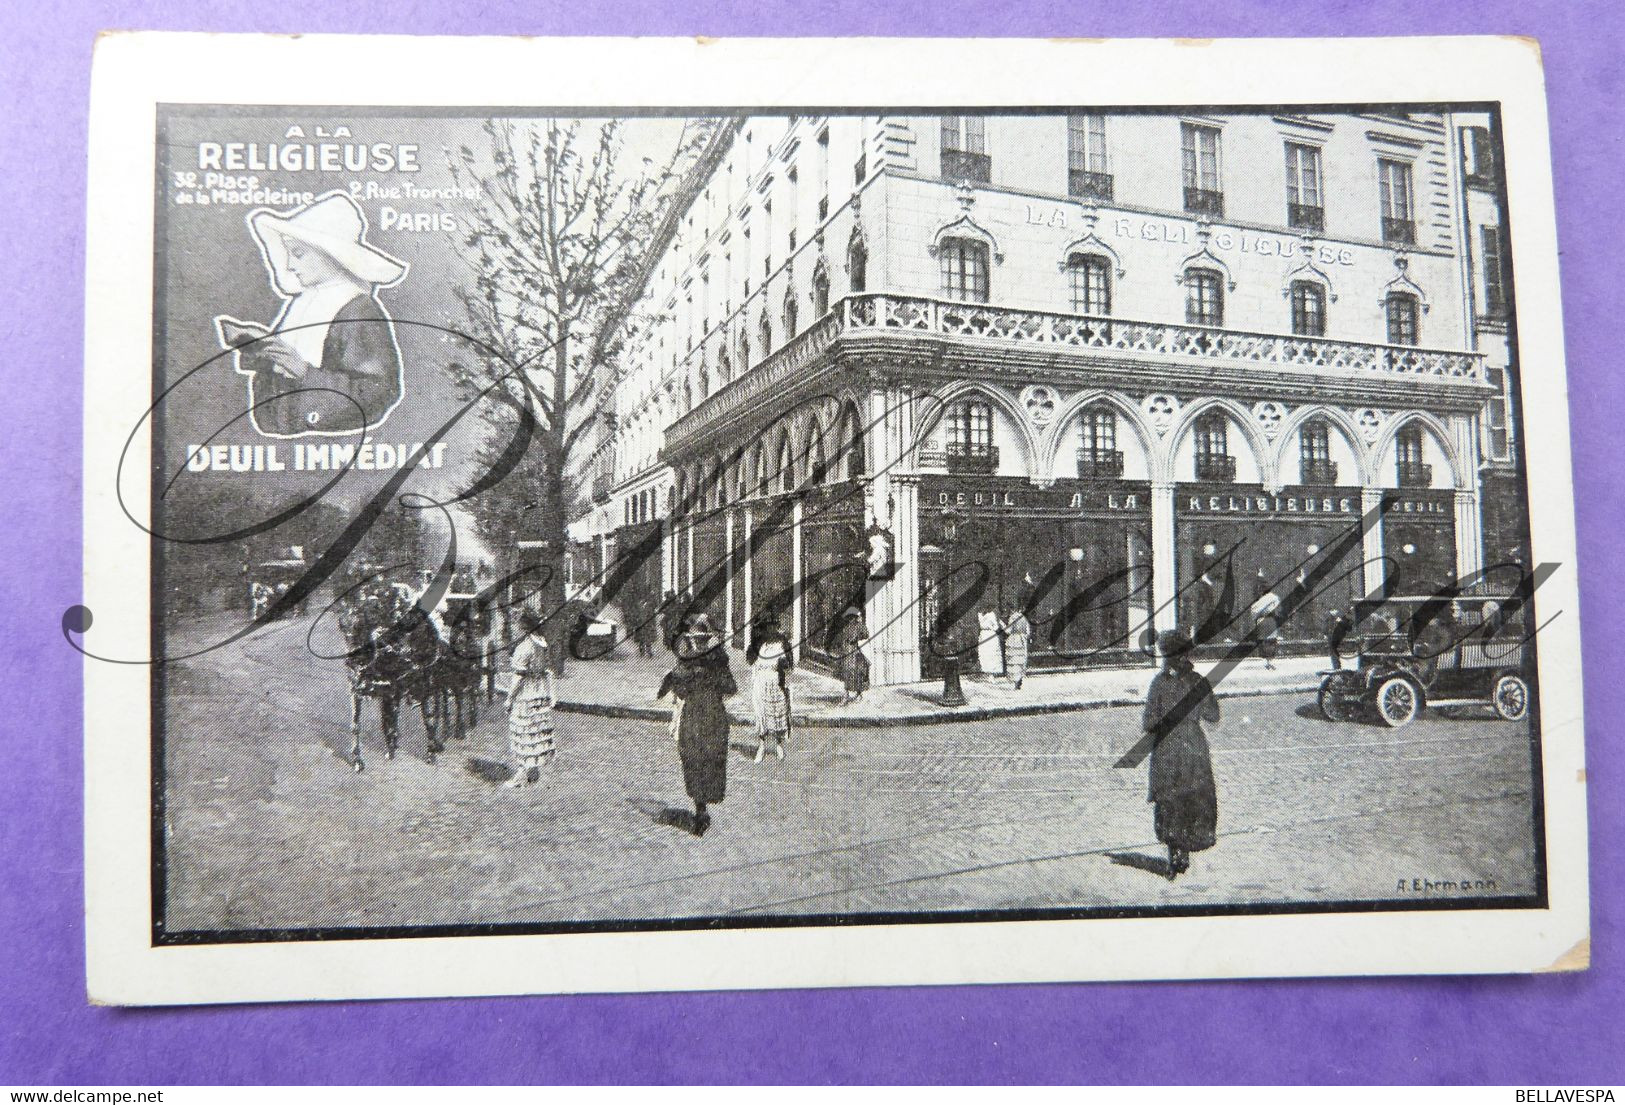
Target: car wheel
<point>1397,701</point>
<point>1510,698</point>
<point>1331,703</point>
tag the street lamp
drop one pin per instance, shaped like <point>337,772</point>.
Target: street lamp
<point>952,693</point>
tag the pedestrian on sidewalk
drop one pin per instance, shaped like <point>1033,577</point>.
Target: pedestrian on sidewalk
<point>700,681</point>
<point>770,663</point>
<point>989,650</point>
<point>1266,631</point>
<point>852,655</point>
<point>1018,633</point>
<point>670,615</point>
<point>1182,787</point>
<point>530,701</point>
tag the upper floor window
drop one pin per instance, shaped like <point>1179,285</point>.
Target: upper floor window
<point>1495,301</point>
<point>820,291</point>
<point>1090,276</point>
<point>764,332</point>
<point>1308,309</point>
<point>1478,157</point>
<point>1403,316</point>
<point>970,427</point>
<point>1204,298</point>
<point>857,265</point>
<point>1304,205</point>
<point>964,148</point>
<point>1315,452</point>
<point>1398,202</point>
<point>724,367</point>
<point>964,270</point>
<point>823,174</point>
<point>1213,459</point>
<point>1413,471</point>
<point>1086,172</point>
<point>789,315</point>
<point>1099,428</point>
<point>1200,150</point>
<point>1498,443</point>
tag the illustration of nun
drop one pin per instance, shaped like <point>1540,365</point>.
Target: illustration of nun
<point>329,364</point>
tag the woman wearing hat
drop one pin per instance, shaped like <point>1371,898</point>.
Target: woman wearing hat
<point>530,701</point>
<point>853,660</point>
<point>1266,631</point>
<point>701,680</point>
<point>332,365</point>
<point>1182,787</point>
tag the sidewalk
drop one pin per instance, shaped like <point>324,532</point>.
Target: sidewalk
<point>624,684</point>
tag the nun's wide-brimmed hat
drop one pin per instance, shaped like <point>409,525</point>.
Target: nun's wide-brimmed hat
<point>334,225</point>
<point>1267,603</point>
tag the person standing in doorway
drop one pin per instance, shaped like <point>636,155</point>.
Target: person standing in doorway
<point>1182,786</point>
<point>770,664</point>
<point>1018,633</point>
<point>700,681</point>
<point>853,658</point>
<point>530,702</point>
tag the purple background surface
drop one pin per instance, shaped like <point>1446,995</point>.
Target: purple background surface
<point>1506,1030</point>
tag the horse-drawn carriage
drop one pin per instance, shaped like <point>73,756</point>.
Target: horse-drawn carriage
<point>269,580</point>
<point>1412,653</point>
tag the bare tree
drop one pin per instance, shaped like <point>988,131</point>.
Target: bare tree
<point>556,247</point>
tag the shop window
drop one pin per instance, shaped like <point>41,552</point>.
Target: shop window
<point>1213,459</point>
<point>1098,454</point>
<point>820,292</point>
<point>857,265</point>
<point>964,148</point>
<point>1412,470</point>
<point>1204,298</point>
<point>1086,173</point>
<point>1090,276</point>
<point>1403,313</point>
<point>1398,203</point>
<point>1315,452</point>
<point>969,445</point>
<point>1200,157</point>
<point>1308,309</point>
<point>1304,206</point>
<point>964,270</point>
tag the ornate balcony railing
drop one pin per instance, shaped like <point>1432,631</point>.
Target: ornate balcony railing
<point>871,314</point>
<point>1398,231</point>
<point>963,457</point>
<point>961,165</point>
<point>1204,201</point>
<point>1416,475</point>
<point>1100,463</point>
<point>1319,473</point>
<point>1306,216</point>
<point>1218,467</point>
<point>1091,186</point>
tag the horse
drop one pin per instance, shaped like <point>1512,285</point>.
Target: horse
<point>394,653</point>
<point>457,674</point>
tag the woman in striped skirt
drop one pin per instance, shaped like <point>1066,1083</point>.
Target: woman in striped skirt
<point>530,702</point>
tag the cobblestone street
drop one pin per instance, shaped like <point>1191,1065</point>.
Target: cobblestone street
<point>268,828</point>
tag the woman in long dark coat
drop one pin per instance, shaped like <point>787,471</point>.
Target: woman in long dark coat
<point>701,680</point>
<point>1187,802</point>
<point>852,658</point>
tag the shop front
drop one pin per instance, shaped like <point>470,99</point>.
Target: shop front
<point>1075,556</point>
<point>834,566</point>
<point>1419,541</point>
<point>1236,543</point>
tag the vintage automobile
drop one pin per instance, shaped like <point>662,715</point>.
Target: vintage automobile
<point>270,580</point>
<point>1413,653</point>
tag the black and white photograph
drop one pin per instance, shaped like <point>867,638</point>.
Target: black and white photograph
<point>772,521</point>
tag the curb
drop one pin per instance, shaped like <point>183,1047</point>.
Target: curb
<point>938,717</point>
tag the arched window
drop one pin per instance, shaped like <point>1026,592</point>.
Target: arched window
<point>964,270</point>
<point>970,433</point>
<point>744,351</point>
<point>1308,309</point>
<point>787,467</point>
<point>1090,276</point>
<point>851,439</point>
<point>1413,471</point>
<point>1403,319</point>
<point>764,333</point>
<point>857,264</point>
<point>820,291</point>
<point>724,367</point>
<point>1204,298</point>
<point>1098,454</point>
<point>704,377</point>
<point>1213,459</point>
<point>1315,452</point>
<point>789,315</point>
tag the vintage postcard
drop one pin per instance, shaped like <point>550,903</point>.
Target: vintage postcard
<point>666,514</point>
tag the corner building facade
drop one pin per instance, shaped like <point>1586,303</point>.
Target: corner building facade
<point>1122,370</point>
